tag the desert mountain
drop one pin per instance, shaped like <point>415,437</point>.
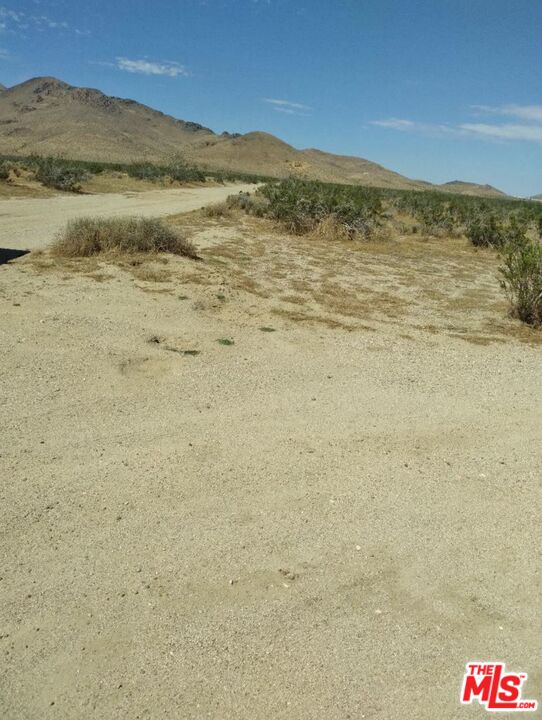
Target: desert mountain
<point>47,116</point>
<point>467,188</point>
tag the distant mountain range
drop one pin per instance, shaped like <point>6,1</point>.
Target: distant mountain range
<point>47,116</point>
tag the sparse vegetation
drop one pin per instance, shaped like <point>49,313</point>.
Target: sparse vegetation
<point>486,222</point>
<point>341,211</point>
<point>85,237</point>
<point>324,211</point>
<point>68,175</point>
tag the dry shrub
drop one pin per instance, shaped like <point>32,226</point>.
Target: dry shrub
<point>333,229</point>
<point>219,210</point>
<point>382,233</point>
<point>150,274</point>
<point>5,167</point>
<point>88,236</point>
<point>330,229</point>
<point>252,205</point>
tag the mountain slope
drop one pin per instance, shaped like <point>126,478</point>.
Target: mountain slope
<point>467,188</point>
<point>47,116</point>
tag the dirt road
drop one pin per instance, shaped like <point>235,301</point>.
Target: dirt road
<point>30,224</point>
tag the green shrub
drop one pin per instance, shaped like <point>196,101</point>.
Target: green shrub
<point>145,171</point>
<point>488,231</point>
<point>300,206</point>
<point>84,237</point>
<point>4,171</point>
<point>179,171</point>
<point>59,174</point>
<point>485,232</point>
<point>522,279</point>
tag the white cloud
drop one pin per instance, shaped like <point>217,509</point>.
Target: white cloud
<point>530,130</point>
<point>289,108</point>
<point>17,23</point>
<point>286,104</point>
<point>395,124</point>
<point>11,15</point>
<point>531,113</point>
<point>146,67</point>
<point>403,125</point>
<point>531,133</point>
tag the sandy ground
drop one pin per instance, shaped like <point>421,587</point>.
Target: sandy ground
<point>325,519</point>
<point>30,224</point>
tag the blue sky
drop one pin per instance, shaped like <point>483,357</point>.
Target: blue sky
<point>434,89</point>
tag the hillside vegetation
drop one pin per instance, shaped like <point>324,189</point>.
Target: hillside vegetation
<point>67,175</point>
<point>339,212</point>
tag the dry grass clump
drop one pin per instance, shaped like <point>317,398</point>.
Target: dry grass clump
<point>219,210</point>
<point>89,236</point>
<point>253,205</point>
<point>330,229</point>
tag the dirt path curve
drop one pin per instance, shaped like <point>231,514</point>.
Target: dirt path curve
<point>30,224</point>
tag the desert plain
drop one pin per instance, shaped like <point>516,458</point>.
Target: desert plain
<point>292,479</point>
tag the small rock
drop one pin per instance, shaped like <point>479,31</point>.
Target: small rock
<point>287,574</point>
